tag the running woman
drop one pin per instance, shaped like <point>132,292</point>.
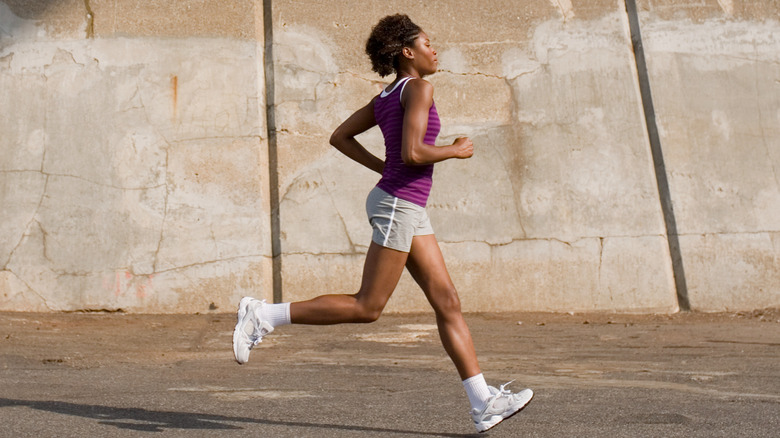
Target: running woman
<point>402,232</point>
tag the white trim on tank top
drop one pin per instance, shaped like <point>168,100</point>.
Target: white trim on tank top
<point>402,82</point>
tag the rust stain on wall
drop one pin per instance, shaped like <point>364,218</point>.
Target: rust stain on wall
<point>175,89</point>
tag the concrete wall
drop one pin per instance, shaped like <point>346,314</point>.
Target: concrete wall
<point>136,170</point>
<point>715,72</point>
<point>134,159</point>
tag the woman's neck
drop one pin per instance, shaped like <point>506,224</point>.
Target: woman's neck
<point>407,72</point>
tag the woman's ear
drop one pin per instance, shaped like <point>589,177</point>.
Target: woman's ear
<point>408,53</point>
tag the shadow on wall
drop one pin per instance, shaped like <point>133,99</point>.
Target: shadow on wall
<point>19,19</point>
<point>33,9</point>
<point>16,14</point>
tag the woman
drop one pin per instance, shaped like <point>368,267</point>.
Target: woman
<point>402,233</point>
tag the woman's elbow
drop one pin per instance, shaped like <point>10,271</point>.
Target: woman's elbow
<point>336,138</point>
<point>410,158</point>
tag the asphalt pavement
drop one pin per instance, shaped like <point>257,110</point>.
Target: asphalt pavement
<point>594,375</point>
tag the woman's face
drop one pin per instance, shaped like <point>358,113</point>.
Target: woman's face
<point>424,55</point>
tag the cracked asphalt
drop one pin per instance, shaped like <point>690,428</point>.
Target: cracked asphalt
<point>594,375</point>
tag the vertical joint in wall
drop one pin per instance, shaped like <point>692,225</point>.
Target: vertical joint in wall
<point>90,30</point>
<point>273,159</point>
<point>664,192</point>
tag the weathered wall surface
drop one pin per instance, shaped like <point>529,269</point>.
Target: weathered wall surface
<point>715,73</point>
<point>133,156</point>
<point>556,210</point>
<point>135,171</point>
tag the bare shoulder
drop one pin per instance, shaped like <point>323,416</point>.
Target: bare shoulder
<point>418,90</point>
<point>420,86</point>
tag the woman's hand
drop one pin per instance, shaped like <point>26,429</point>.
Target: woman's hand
<point>464,147</point>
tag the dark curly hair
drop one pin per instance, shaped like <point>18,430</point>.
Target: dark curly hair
<point>387,40</point>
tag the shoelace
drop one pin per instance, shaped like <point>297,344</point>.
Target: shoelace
<point>501,392</point>
<point>258,338</point>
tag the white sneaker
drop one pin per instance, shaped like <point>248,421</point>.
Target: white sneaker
<point>501,406</point>
<point>249,329</point>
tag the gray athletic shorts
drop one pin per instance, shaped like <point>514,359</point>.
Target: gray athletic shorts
<point>395,221</point>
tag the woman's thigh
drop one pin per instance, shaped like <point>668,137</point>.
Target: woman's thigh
<point>381,272</point>
<point>426,264</point>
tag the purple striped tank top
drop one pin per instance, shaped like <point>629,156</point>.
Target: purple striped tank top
<point>411,183</point>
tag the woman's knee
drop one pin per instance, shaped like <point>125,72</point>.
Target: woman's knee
<point>446,301</point>
<point>368,315</point>
<point>366,312</point>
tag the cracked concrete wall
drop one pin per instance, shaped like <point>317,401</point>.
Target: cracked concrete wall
<point>134,157</point>
<point>135,173</point>
<point>714,70</point>
<point>558,208</point>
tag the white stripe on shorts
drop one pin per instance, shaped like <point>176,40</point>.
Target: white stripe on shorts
<point>390,225</point>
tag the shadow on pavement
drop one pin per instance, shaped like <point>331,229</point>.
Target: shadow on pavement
<point>157,421</point>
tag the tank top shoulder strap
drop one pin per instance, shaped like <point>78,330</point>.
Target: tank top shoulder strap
<point>402,83</point>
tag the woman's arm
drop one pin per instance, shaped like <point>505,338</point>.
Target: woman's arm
<point>343,138</point>
<point>417,101</point>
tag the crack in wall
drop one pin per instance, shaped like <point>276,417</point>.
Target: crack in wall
<point>129,269</point>
<point>43,299</point>
<point>214,239</point>
<point>81,178</point>
<point>564,7</point>
<point>731,233</point>
<point>208,262</point>
<point>486,75</point>
<point>492,245</point>
<point>90,29</point>
<point>156,257</point>
<point>570,243</point>
<point>338,213</point>
<point>111,186</point>
<point>487,43</point>
<point>11,171</point>
<point>327,253</point>
<point>361,77</point>
<point>770,158</point>
<point>509,79</point>
<point>514,190</point>
<point>727,6</point>
<point>26,231</point>
<point>217,137</point>
<point>297,133</point>
<point>167,184</point>
<point>44,236</point>
<point>601,261</point>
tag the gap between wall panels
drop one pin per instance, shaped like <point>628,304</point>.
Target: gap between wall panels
<point>664,193</point>
<point>273,158</point>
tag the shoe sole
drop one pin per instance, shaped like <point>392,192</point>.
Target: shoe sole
<point>508,416</point>
<point>239,330</point>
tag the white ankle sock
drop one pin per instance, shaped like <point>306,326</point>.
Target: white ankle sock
<point>276,314</point>
<point>477,390</point>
